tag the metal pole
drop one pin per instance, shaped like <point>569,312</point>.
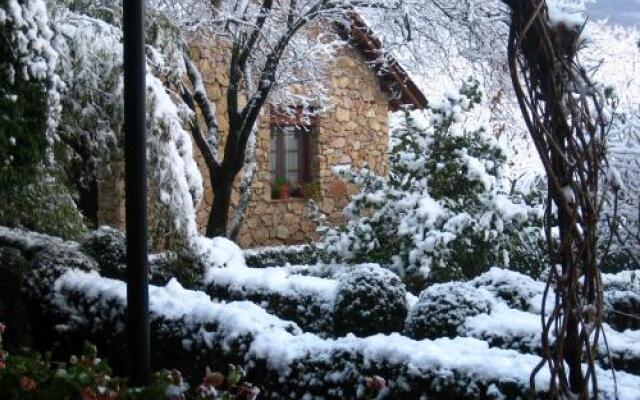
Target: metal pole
<point>136,192</point>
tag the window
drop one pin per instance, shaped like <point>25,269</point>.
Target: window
<point>290,156</point>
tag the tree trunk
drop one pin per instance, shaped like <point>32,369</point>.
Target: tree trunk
<point>222,185</point>
<point>88,202</point>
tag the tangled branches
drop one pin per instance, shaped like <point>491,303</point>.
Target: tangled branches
<point>565,114</point>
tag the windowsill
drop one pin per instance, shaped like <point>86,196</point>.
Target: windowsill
<point>290,199</point>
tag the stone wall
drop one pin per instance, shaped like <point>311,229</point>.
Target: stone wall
<point>354,131</point>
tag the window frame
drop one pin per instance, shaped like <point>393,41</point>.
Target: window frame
<point>305,129</point>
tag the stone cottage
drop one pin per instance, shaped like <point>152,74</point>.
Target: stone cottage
<point>355,131</point>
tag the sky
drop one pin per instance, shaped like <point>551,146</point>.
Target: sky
<point>621,12</point>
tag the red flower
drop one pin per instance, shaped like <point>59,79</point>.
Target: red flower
<point>215,379</point>
<point>247,392</point>
<point>88,394</point>
<point>108,395</point>
<point>176,377</point>
<point>3,365</point>
<point>28,384</point>
<point>375,382</point>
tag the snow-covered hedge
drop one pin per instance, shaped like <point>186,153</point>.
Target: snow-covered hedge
<point>190,332</point>
<point>518,330</point>
<point>194,332</point>
<point>362,299</point>
<point>108,247</point>
<point>622,308</point>
<point>276,256</point>
<point>521,292</point>
<point>442,308</point>
<point>622,299</point>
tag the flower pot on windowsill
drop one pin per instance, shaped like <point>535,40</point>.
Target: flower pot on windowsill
<point>284,192</point>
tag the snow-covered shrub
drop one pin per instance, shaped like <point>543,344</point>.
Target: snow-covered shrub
<point>30,91</point>
<point>369,300</point>
<point>108,247</point>
<point>276,256</point>
<point>519,291</point>
<point>193,331</point>
<point>622,307</point>
<point>362,299</point>
<point>29,88</point>
<point>90,65</point>
<point>171,265</point>
<point>43,203</point>
<point>623,280</point>
<point>442,213</point>
<point>518,330</point>
<point>624,175</point>
<point>442,308</point>
<point>622,299</point>
<point>47,265</point>
<point>305,300</point>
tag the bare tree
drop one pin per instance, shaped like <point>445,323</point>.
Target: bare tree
<point>565,115</point>
<point>260,36</point>
<point>271,52</point>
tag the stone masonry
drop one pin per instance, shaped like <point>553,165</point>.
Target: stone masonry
<point>354,131</point>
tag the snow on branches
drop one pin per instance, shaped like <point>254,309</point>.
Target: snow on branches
<point>76,50</point>
<point>442,212</point>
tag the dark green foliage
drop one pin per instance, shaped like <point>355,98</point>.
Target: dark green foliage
<point>13,310</point>
<point>31,375</point>
<point>442,308</point>
<point>518,290</point>
<point>108,247</point>
<point>191,344</point>
<point>310,311</point>
<point>370,300</point>
<point>167,265</point>
<point>23,114</point>
<point>622,309</point>
<point>41,203</point>
<point>278,256</point>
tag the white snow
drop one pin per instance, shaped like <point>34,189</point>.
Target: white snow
<point>282,348</point>
<point>219,252</point>
<point>172,302</point>
<point>571,17</point>
<point>274,279</point>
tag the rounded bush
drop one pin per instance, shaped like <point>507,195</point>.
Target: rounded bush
<point>442,308</point>
<point>167,265</point>
<point>619,304</point>
<point>48,264</point>
<point>370,300</point>
<point>108,247</point>
<point>519,291</point>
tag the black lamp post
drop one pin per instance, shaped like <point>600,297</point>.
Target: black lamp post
<point>136,191</point>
